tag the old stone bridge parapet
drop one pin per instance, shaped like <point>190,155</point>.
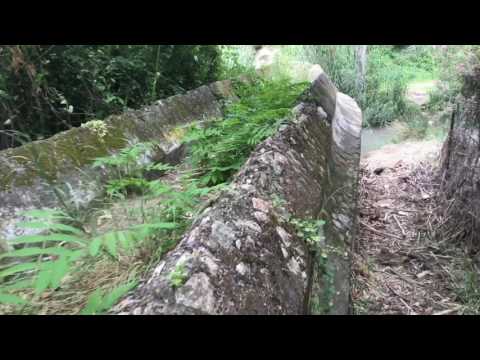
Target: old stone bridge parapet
<point>243,255</point>
<point>66,158</point>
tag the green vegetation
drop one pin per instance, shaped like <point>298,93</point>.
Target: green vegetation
<point>178,276</point>
<point>61,249</point>
<point>237,60</point>
<point>311,231</point>
<point>69,250</point>
<point>128,170</point>
<point>453,62</point>
<point>85,263</point>
<point>45,89</point>
<point>468,291</point>
<point>220,147</point>
<point>99,303</point>
<point>388,73</point>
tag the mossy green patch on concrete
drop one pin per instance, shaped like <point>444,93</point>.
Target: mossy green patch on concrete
<point>66,151</point>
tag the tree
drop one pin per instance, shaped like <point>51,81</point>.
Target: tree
<point>361,65</point>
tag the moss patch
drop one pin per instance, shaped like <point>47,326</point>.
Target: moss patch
<point>64,152</point>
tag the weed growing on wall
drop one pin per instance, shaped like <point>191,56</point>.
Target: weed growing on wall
<point>220,147</point>
<point>321,275</point>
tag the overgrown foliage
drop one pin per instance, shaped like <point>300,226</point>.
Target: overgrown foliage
<point>45,89</point>
<point>236,60</point>
<point>46,263</point>
<point>41,262</point>
<point>389,69</point>
<point>454,61</point>
<point>220,147</point>
<point>388,72</point>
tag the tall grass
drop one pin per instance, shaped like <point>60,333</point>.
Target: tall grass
<point>383,99</point>
<point>388,73</point>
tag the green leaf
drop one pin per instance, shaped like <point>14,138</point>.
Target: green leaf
<point>77,254</point>
<point>162,226</point>
<point>18,268</point>
<point>35,251</point>
<point>45,214</point>
<point>94,246</point>
<point>31,239</point>
<point>49,226</point>
<point>11,299</point>
<point>43,281</point>
<point>59,269</point>
<point>113,297</point>
<point>17,285</point>
<point>111,244</point>
<point>125,239</point>
<point>93,304</point>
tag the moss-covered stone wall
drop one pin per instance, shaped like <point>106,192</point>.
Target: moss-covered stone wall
<point>64,160</point>
<point>244,254</point>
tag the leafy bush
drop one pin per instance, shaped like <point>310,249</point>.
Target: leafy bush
<point>58,250</point>
<point>453,62</point>
<point>45,89</point>
<point>221,147</point>
<point>236,60</point>
<point>383,98</point>
<point>389,69</point>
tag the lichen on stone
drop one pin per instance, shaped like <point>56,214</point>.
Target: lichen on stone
<point>98,127</point>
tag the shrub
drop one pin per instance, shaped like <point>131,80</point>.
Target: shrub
<point>221,147</point>
<point>236,60</point>
<point>45,89</point>
<point>383,98</point>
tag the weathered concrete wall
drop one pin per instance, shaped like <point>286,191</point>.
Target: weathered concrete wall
<point>66,158</point>
<point>241,256</point>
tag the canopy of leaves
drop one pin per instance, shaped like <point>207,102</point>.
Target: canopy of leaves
<point>45,89</point>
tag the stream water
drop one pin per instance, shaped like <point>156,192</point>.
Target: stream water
<point>375,138</point>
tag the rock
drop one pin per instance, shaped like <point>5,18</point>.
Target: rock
<point>222,235</point>
<point>242,269</point>
<point>197,293</point>
<point>261,205</point>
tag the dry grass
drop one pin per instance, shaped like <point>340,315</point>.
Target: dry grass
<point>105,272</point>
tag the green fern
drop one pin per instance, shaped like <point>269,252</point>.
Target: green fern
<point>98,303</point>
<point>47,257</point>
<point>41,262</point>
<point>126,239</point>
<point>126,163</point>
<point>220,147</point>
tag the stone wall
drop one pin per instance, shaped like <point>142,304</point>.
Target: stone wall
<point>241,256</point>
<point>65,159</point>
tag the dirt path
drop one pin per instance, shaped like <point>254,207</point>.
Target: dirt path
<point>400,266</point>
<point>398,269</point>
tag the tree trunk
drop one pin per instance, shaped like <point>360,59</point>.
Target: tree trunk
<point>361,63</point>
